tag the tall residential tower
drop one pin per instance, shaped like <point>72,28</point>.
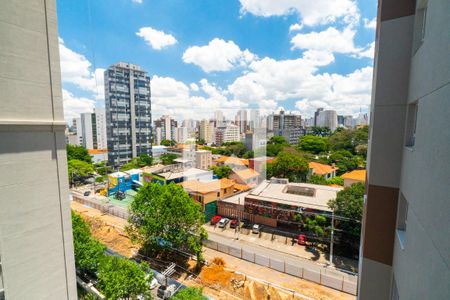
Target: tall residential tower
<point>128,112</point>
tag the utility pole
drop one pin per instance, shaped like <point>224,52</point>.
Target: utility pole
<point>332,237</point>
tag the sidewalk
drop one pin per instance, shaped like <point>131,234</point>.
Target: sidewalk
<point>280,244</point>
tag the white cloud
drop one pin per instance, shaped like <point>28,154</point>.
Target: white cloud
<point>369,52</point>
<point>295,27</point>
<point>218,55</point>
<point>137,1</point>
<point>370,24</point>
<point>311,12</point>
<point>76,69</point>
<point>170,96</point>
<point>330,39</point>
<point>155,38</point>
<point>74,106</point>
<point>269,82</point>
<point>194,87</point>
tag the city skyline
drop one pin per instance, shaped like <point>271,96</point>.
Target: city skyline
<point>252,62</point>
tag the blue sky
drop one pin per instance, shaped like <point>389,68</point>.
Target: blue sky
<point>205,55</point>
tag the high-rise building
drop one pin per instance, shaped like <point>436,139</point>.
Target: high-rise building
<point>348,121</point>
<point>241,120</point>
<point>219,118</point>
<point>327,118</point>
<point>229,133</point>
<point>405,248</point>
<point>100,119</point>
<point>87,128</point>
<point>255,120</point>
<point>181,134</point>
<point>168,127</point>
<point>206,131</point>
<point>288,125</point>
<point>36,248</point>
<point>203,159</point>
<point>316,115</point>
<point>128,112</point>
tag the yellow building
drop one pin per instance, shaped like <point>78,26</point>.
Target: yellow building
<point>354,176</point>
<point>206,192</point>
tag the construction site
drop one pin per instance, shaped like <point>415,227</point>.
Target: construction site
<point>223,276</point>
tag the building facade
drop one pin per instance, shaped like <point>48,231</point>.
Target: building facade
<point>100,119</point>
<point>168,127</point>
<point>87,128</point>
<point>36,248</point>
<point>128,112</point>
<point>327,118</point>
<point>405,247</point>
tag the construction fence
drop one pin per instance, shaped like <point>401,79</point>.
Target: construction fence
<point>346,283</point>
<point>101,206</point>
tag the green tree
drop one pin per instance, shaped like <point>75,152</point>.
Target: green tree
<point>320,131</point>
<point>248,154</point>
<point>349,204</point>
<point>221,171</point>
<point>314,144</point>
<point>145,160</point>
<point>336,180</point>
<point>88,251</point>
<point>342,139</point>
<point>165,215</point>
<point>79,170</point>
<point>289,165</point>
<point>277,140</point>
<point>201,142</point>
<point>168,158</point>
<point>120,278</point>
<point>315,224</point>
<point>345,161</point>
<point>317,179</point>
<point>189,293</point>
<point>102,168</point>
<point>166,143</point>
<point>78,152</point>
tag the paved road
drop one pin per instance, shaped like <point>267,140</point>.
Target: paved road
<point>288,258</point>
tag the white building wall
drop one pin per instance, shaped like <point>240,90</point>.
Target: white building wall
<point>100,118</point>
<point>36,248</point>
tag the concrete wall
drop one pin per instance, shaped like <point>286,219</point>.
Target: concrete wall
<point>35,225</point>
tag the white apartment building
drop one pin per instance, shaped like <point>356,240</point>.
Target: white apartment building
<point>100,119</point>
<point>327,118</point>
<point>203,159</point>
<point>181,135</point>
<point>206,131</point>
<point>36,248</point>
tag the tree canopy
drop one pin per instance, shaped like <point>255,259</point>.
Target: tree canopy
<point>349,204</point>
<point>168,158</point>
<point>189,293</point>
<point>320,131</point>
<point>314,144</point>
<point>288,164</point>
<point>78,153</point>
<point>120,278</point>
<point>164,215</point>
<point>88,251</point>
<point>345,161</point>
<point>79,169</point>
<point>168,143</point>
<point>221,171</point>
<point>138,162</point>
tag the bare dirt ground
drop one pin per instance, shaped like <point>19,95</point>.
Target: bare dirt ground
<point>231,279</point>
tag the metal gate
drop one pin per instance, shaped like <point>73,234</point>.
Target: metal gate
<point>210,210</point>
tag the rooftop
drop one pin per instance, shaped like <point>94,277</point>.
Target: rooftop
<point>97,151</point>
<point>321,169</point>
<point>207,187</point>
<point>359,175</point>
<point>246,173</point>
<point>185,173</point>
<point>231,160</point>
<point>306,195</point>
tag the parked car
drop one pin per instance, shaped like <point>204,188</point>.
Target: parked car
<point>87,193</point>
<point>233,223</point>
<point>223,222</point>
<point>301,240</point>
<point>256,228</point>
<point>215,220</point>
<point>247,224</point>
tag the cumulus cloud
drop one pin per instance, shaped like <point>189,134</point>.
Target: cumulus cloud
<point>295,27</point>
<point>194,87</point>
<point>218,55</point>
<point>330,39</point>
<point>370,24</point>
<point>137,1</point>
<point>318,12</point>
<point>74,106</point>
<point>270,82</point>
<point>369,51</point>
<point>155,38</point>
<point>173,97</point>
<point>76,69</point>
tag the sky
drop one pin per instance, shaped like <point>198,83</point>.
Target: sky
<point>207,55</point>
